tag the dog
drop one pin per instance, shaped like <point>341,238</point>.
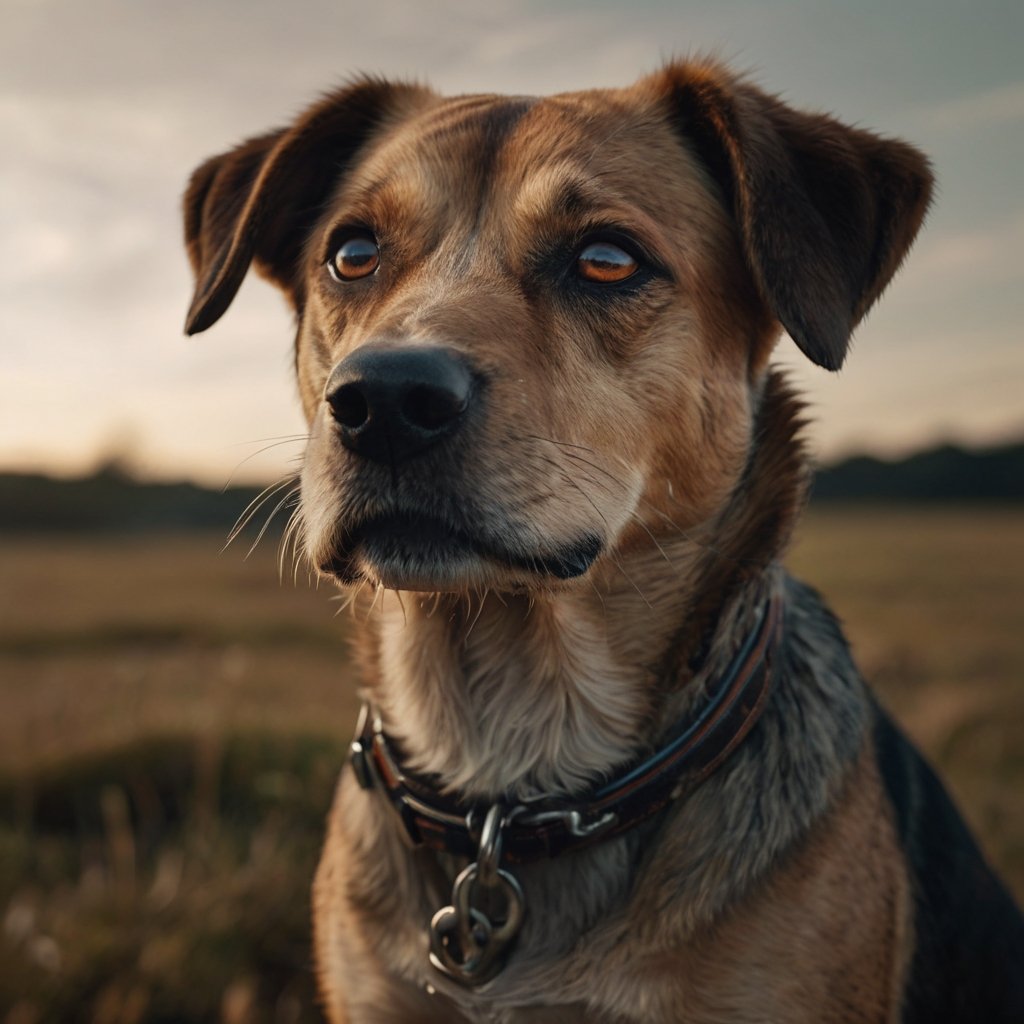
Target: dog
<point>615,765</point>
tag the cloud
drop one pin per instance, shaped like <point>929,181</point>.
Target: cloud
<point>1002,105</point>
<point>992,253</point>
<point>106,107</point>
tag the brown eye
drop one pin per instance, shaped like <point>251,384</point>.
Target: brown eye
<point>355,258</point>
<point>605,263</point>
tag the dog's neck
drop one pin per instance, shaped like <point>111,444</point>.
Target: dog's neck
<point>526,694</point>
<point>545,694</point>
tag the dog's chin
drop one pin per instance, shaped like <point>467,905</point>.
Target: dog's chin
<point>404,552</point>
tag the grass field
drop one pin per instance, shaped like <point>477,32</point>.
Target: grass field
<point>172,721</point>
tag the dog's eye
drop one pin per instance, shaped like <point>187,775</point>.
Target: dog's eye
<point>357,257</point>
<point>605,263</point>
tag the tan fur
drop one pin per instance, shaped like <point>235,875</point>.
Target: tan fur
<point>837,909</point>
<point>652,422</point>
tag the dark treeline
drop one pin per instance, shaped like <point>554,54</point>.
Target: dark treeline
<point>112,500</point>
<point>947,473</point>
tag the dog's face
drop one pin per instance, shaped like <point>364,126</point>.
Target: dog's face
<point>531,332</point>
<point>534,345</point>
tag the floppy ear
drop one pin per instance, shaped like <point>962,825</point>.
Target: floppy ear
<point>826,212</point>
<point>260,200</point>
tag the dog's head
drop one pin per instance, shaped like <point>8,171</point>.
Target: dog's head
<point>531,332</point>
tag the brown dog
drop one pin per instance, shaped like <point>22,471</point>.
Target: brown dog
<point>636,774</point>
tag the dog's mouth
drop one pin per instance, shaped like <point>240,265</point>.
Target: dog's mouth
<point>407,551</point>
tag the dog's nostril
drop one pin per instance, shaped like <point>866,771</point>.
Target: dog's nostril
<point>431,408</point>
<point>349,406</point>
<point>390,402</point>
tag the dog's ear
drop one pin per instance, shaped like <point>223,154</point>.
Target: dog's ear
<point>258,201</point>
<point>826,212</point>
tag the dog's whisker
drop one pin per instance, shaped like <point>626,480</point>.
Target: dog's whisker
<point>571,451</point>
<point>279,439</point>
<point>297,553</point>
<point>298,541</point>
<point>275,442</point>
<point>255,505</point>
<point>363,585</point>
<point>401,604</point>
<point>377,594</point>
<point>291,495</point>
<point>654,540</point>
<point>282,546</point>
<point>346,600</point>
<point>290,540</point>
<point>561,444</point>
<point>351,597</point>
<point>629,579</point>
<point>600,597</point>
<point>480,611</point>
<point>615,561</point>
<point>687,535</point>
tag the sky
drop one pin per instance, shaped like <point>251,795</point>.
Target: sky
<point>107,106</point>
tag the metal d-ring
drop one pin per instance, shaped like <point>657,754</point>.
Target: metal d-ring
<point>469,940</point>
<point>489,852</point>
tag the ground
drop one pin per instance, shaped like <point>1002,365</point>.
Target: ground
<point>172,720</point>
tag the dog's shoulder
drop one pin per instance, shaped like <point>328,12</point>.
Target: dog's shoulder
<point>968,961</point>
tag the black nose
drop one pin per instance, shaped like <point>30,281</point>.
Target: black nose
<point>392,403</point>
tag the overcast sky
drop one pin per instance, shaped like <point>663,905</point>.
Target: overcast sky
<point>106,106</point>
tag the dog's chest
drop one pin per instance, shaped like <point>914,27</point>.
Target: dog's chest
<point>793,949</point>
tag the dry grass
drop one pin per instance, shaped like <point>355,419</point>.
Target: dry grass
<point>171,722</point>
<point>105,641</point>
<point>933,604</point>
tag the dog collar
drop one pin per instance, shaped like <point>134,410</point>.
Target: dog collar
<point>466,944</point>
<point>548,826</point>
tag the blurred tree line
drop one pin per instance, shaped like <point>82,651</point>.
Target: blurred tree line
<point>114,499</point>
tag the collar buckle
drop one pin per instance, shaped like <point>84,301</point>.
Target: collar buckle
<point>574,823</point>
<point>360,755</point>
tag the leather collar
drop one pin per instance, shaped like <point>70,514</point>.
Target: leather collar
<point>548,826</point>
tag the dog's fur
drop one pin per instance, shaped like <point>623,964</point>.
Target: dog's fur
<point>821,873</point>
